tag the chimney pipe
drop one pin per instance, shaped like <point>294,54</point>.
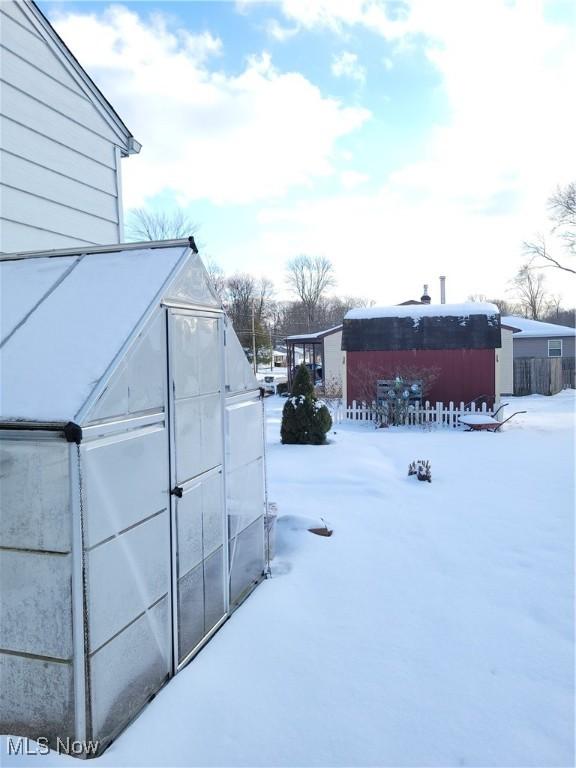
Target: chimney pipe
<point>425,299</point>
<point>442,289</point>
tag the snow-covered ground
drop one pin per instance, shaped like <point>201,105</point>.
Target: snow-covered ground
<point>434,628</point>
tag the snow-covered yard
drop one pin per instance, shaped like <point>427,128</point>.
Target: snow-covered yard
<point>434,628</point>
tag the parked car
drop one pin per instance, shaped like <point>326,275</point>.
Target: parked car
<point>315,372</point>
<point>271,381</point>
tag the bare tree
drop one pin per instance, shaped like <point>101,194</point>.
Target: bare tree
<point>537,250</point>
<point>332,394</point>
<point>217,278</point>
<point>244,295</point>
<point>364,388</point>
<point>240,288</point>
<point>562,317</point>
<point>532,295</point>
<point>144,224</point>
<point>505,307</point>
<point>562,206</point>
<point>309,277</point>
<point>263,293</point>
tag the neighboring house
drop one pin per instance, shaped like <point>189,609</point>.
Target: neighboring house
<point>61,142</point>
<point>280,358</point>
<point>322,351</point>
<point>536,339</point>
<point>544,356</point>
<point>461,344</point>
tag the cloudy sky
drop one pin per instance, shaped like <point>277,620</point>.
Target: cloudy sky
<point>402,139</point>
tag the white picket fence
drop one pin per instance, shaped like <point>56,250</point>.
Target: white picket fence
<point>417,415</point>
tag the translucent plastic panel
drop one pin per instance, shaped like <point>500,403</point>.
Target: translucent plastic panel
<point>200,521</point>
<point>198,435</point>
<point>36,603</point>
<point>196,351</point>
<point>214,604</point>
<point>212,514</point>
<point>190,611</point>
<point>61,361</point>
<point>139,382</point>
<point>210,354</point>
<point>245,492</point>
<point>35,495</point>
<point>186,367</point>
<point>244,432</point>
<point>125,480</point>
<point>246,553</point>
<point>127,575</point>
<point>36,697</point>
<point>189,525</point>
<point>239,374</point>
<point>129,669</point>
<point>192,286</point>
<point>21,287</point>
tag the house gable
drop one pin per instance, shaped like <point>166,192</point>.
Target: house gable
<point>60,142</point>
<point>31,47</point>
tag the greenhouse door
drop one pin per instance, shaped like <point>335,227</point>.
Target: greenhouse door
<point>199,540</point>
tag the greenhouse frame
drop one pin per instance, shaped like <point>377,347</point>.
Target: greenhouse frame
<point>132,482</point>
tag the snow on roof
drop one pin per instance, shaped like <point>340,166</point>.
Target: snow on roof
<point>534,328</point>
<point>423,310</point>
<point>317,335</point>
<point>65,318</point>
<point>22,288</point>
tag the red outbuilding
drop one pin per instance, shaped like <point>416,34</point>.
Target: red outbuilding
<point>451,348</point>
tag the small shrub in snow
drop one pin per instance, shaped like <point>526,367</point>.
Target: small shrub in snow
<point>305,420</point>
<point>422,469</point>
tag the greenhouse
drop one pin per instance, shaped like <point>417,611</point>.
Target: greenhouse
<point>132,482</point>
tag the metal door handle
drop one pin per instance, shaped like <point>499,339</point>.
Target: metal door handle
<point>177,491</point>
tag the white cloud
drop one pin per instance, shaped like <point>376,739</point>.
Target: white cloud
<point>352,179</point>
<point>507,140</point>
<point>385,247</point>
<point>337,15</point>
<point>346,64</point>
<point>280,33</point>
<point>205,134</point>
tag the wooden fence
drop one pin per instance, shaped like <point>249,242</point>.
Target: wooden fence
<point>539,375</point>
<point>568,373</point>
<point>416,415</point>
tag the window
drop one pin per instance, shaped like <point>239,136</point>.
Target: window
<point>554,347</point>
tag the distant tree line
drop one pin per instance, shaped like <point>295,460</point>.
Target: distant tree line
<point>261,321</point>
<point>257,315</point>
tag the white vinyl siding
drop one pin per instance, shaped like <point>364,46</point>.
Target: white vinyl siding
<point>58,97</point>
<point>27,208</point>
<point>554,347</point>
<point>505,368</point>
<point>16,238</point>
<point>59,148</point>
<point>19,37</point>
<point>31,177</point>
<point>333,368</point>
<point>29,111</point>
<point>32,145</point>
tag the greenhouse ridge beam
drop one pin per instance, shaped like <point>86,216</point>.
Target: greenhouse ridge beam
<point>113,248</point>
